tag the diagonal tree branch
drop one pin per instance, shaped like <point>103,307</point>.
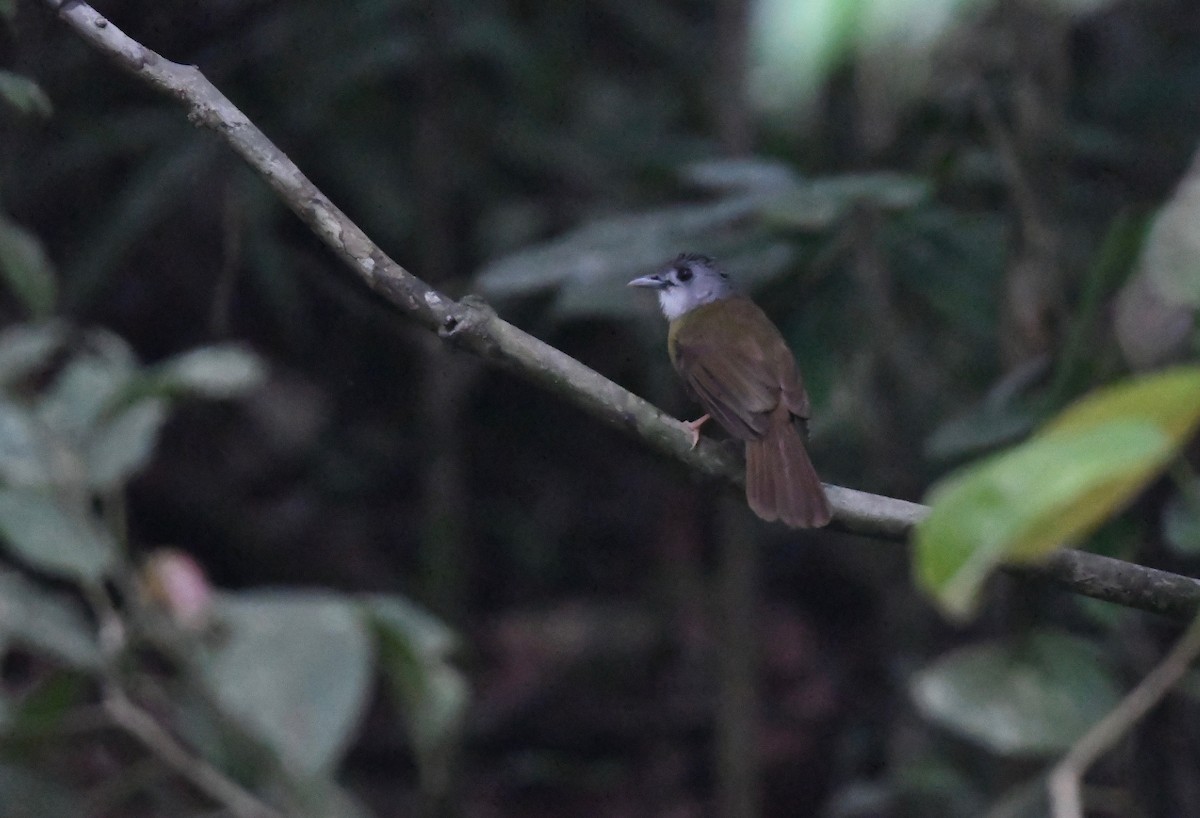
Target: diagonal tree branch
<point>473,326</point>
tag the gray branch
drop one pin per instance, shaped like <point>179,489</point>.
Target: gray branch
<point>471,325</point>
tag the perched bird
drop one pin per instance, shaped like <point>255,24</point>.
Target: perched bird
<point>739,367</point>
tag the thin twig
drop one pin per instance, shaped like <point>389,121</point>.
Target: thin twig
<point>205,777</point>
<point>471,325</point>
<point>1066,777</point>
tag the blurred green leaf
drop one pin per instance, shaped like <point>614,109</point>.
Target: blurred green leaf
<point>25,453</point>
<point>46,622</point>
<point>1033,697</point>
<point>295,670</point>
<point>429,635</point>
<point>938,784</point>
<point>794,47</point>
<point>23,93</point>
<point>742,173</point>
<point>27,269</point>
<point>121,445</point>
<point>433,695</point>
<point>223,371</point>
<point>41,709</point>
<point>820,203</point>
<point>590,265</point>
<point>984,427</point>
<point>1155,311</point>
<point>26,348</point>
<point>1171,253</point>
<point>39,530</point>
<point>87,387</point>
<point>8,9</point>
<point>1055,488</point>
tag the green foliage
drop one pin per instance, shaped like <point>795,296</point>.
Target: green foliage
<point>23,93</point>
<point>415,653</point>
<point>51,624</point>
<point>1156,310</point>
<point>26,269</point>
<point>1054,490</point>
<point>1033,696</point>
<point>567,144</point>
<point>293,668</point>
<point>46,534</point>
<point>747,228</point>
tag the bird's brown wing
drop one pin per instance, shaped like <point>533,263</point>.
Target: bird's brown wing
<point>737,364</point>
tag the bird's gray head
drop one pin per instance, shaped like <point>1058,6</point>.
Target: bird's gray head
<point>686,283</point>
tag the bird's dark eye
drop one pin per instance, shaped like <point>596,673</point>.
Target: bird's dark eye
<point>684,274</point>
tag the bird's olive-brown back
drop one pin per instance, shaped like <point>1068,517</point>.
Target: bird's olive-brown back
<point>737,364</point>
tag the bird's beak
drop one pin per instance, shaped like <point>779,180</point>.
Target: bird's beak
<point>655,282</point>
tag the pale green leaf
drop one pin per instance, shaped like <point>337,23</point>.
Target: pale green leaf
<point>38,529</point>
<point>294,669</point>
<point>1169,399</point>
<point>819,204</point>
<point>1171,254</point>
<point>123,444</point>
<point>83,392</point>
<point>214,372</point>
<point>46,622</point>
<point>1056,488</point>
<point>26,348</point>
<point>23,93</point>
<point>1026,501</point>
<point>25,452</point>
<point>1030,698</point>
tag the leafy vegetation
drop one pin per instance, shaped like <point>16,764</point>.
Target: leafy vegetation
<point>250,520</point>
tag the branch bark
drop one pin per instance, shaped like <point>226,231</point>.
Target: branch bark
<point>239,801</point>
<point>1066,779</point>
<point>471,325</point>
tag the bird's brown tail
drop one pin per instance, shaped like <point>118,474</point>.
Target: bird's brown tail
<point>781,483</point>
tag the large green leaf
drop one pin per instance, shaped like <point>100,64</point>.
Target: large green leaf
<point>1055,488</point>
<point>45,622</point>
<point>38,527</point>
<point>295,671</point>
<point>1033,697</point>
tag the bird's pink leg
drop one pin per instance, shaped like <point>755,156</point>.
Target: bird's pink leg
<point>694,427</point>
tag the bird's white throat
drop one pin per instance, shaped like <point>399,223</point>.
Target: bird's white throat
<point>678,300</point>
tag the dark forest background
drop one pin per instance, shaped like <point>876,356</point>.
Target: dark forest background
<point>941,204</point>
